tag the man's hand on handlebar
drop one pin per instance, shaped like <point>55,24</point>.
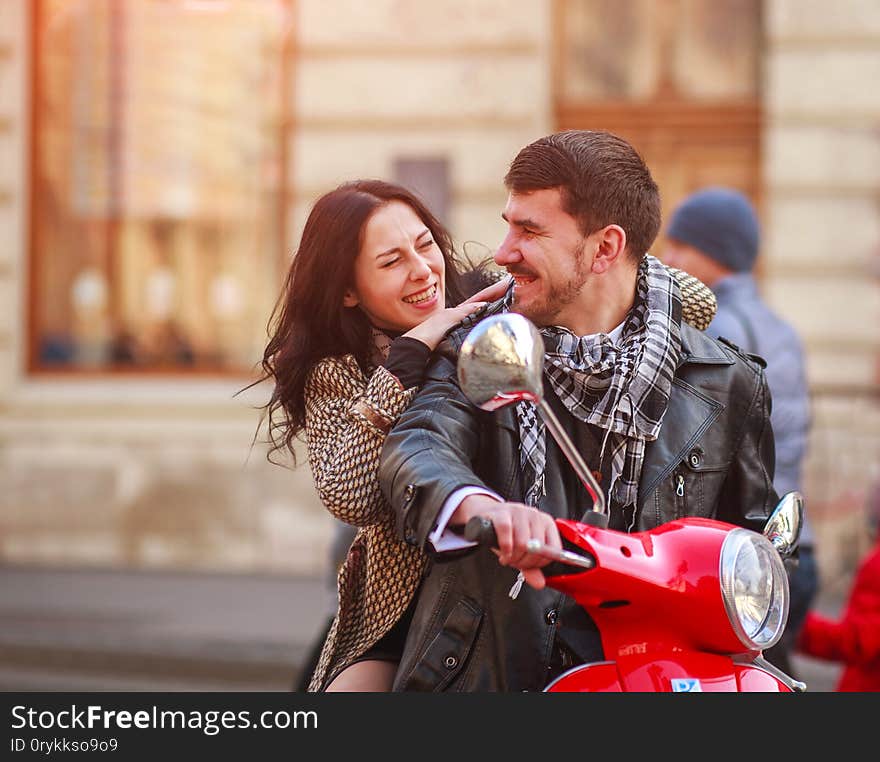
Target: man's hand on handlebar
<point>515,524</point>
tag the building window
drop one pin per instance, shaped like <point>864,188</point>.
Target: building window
<point>680,79</point>
<point>157,214</point>
<point>427,177</point>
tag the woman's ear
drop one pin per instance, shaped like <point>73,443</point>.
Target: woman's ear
<point>350,298</point>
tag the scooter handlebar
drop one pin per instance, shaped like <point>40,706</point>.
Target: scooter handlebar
<point>481,530</point>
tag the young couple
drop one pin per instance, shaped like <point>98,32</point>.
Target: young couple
<point>362,356</point>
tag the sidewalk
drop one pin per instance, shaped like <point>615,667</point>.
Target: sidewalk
<point>140,631</point>
<point>76,630</point>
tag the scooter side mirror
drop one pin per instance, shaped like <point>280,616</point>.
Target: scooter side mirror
<point>783,528</point>
<point>502,361</point>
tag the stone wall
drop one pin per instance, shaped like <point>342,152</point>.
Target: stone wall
<point>13,186</point>
<point>822,250</point>
<point>384,80</point>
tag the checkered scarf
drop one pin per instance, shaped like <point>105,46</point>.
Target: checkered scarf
<point>623,388</point>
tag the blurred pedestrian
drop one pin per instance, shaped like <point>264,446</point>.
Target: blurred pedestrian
<point>714,235</point>
<point>854,638</point>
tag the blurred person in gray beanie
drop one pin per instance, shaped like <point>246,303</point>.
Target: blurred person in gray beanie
<point>721,225</point>
<point>714,235</point>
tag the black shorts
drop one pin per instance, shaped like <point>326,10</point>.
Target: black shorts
<point>390,646</point>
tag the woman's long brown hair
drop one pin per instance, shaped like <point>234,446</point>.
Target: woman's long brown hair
<point>309,321</point>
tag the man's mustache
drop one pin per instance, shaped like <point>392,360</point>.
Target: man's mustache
<point>519,272</point>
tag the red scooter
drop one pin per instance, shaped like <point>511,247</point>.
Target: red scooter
<point>687,606</point>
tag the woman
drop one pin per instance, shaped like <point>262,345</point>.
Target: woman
<point>364,304</point>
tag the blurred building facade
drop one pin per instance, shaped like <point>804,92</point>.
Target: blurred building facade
<point>158,160</point>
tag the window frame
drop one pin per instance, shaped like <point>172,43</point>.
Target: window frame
<point>669,120</point>
<point>34,244</point>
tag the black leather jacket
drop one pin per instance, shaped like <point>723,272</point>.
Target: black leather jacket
<point>714,457</point>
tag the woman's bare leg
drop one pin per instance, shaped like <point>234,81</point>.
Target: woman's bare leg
<point>371,676</point>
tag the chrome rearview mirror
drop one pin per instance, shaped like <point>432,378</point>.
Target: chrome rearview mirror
<point>783,528</point>
<point>502,361</point>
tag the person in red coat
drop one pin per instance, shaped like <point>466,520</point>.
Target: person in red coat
<point>854,639</point>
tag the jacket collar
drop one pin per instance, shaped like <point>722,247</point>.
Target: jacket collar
<point>698,348</point>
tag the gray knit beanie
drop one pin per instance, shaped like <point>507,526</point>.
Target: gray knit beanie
<point>721,223</point>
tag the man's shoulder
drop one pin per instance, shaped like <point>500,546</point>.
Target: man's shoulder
<point>448,350</point>
<point>699,348</point>
<point>742,354</point>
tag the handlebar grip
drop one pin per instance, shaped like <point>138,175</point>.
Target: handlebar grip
<point>560,568</point>
<point>482,530</point>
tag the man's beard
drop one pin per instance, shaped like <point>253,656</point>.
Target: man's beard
<point>544,311</point>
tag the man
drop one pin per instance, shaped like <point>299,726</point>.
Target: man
<point>674,423</point>
<point>714,235</point>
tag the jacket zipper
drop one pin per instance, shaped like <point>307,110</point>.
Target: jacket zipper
<point>679,493</point>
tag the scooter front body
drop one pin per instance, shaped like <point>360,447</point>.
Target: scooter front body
<point>653,592</point>
<point>678,672</point>
<point>656,600</point>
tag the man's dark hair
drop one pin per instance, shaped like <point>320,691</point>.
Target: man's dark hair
<point>603,181</point>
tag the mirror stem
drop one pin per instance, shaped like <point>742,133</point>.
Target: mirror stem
<point>574,457</point>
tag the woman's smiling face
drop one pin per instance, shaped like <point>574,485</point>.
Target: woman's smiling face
<point>399,272</point>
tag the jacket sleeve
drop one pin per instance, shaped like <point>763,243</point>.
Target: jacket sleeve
<point>748,496</point>
<point>347,419</point>
<point>854,639</point>
<point>430,453</point>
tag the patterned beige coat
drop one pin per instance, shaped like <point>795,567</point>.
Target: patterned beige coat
<point>347,417</point>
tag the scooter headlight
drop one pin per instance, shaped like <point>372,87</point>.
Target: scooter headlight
<point>754,587</point>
